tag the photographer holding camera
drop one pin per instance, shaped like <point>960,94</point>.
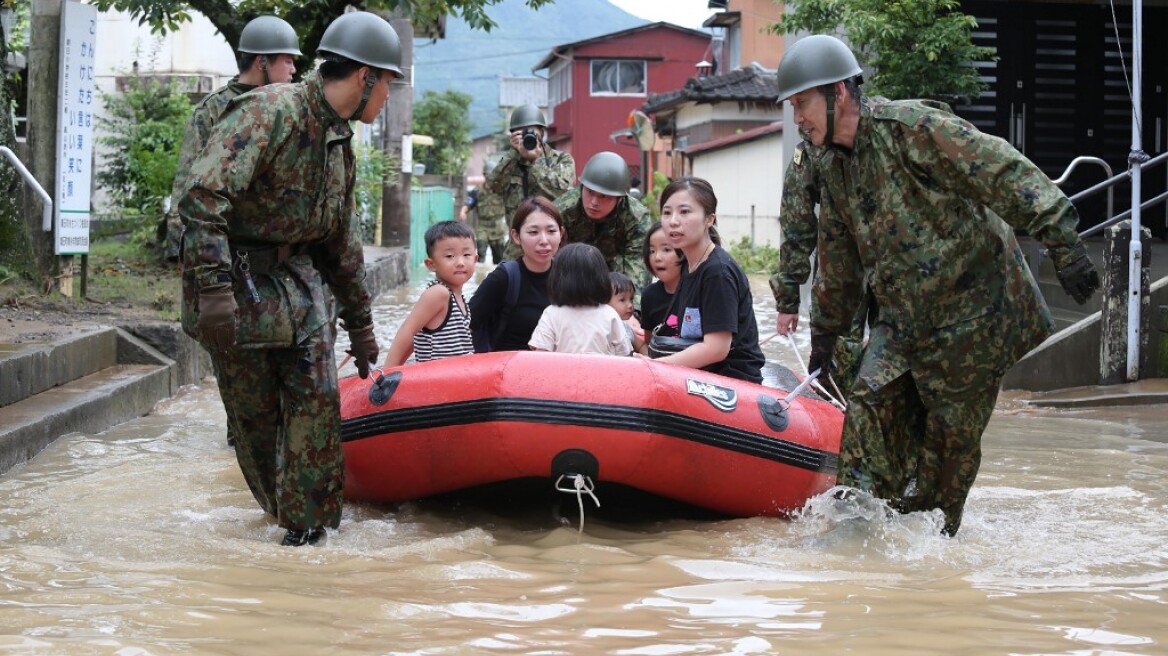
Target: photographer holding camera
<point>531,167</point>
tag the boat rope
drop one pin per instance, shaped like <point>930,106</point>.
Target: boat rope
<point>581,485</point>
<point>837,402</point>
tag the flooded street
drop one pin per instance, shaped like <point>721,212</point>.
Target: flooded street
<point>145,540</point>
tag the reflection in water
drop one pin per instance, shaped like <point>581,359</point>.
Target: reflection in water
<point>144,540</point>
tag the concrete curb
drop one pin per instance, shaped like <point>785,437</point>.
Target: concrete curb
<point>92,381</point>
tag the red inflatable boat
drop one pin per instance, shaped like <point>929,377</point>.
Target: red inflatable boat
<point>712,442</point>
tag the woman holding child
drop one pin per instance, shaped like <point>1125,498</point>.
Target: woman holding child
<point>713,302</point>
<point>536,228</point>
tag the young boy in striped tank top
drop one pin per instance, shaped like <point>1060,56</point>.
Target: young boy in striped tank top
<point>439,325</point>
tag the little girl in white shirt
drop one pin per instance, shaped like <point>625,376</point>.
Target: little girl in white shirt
<point>580,320</point>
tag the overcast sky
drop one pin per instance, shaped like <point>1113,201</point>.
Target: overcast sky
<point>686,13</point>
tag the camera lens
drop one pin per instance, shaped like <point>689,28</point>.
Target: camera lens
<point>530,141</point>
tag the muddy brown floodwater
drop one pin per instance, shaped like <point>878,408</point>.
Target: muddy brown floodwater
<point>144,540</point>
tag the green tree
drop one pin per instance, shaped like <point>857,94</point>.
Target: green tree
<point>144,134</point>
<point>445,117</point>
<point>916,48</point>
<point>309,18</point>
<point>15,248</point>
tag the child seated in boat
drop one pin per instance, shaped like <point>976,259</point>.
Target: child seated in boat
<point>580,320</point>
<point>664,262</point>
<point>622,301</point>
<point>439,324</point>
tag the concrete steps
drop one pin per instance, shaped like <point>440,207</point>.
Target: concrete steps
<point>80,383</point>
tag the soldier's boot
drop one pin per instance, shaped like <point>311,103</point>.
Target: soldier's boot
<point>296,537</point>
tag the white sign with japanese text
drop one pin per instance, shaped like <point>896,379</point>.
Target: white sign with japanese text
<point>77,96</point>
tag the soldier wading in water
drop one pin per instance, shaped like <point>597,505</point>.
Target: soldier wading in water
<point>910,200</point>
<point>270,221</point>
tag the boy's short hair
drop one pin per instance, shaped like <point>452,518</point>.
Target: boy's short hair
<point>446,230</point>
<point>621,284</point>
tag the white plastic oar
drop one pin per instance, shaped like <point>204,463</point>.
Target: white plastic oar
<point>839,403</point>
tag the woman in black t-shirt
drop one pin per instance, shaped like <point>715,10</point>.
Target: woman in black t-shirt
<point>713,302</point>
<point>536,229</point>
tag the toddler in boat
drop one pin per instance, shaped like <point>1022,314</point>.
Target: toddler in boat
<point>623,292</point>
<point>664,262</point>
<point>580,320</point>
<point>439,324</point>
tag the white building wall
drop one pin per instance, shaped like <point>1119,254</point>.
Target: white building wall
<point>745,176</point>
<point>196,49</point>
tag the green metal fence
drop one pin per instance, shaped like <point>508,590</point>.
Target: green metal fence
<point>428,205</point>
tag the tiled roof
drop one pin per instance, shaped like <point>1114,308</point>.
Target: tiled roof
<point>750,84</point>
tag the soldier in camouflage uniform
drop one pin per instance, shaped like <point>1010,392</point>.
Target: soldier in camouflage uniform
<point>268,47</point>
<point>270,220</point>
<point>492,220</point>
<point>601,212</point>
<point>522,172</point>
<point>911,200</point>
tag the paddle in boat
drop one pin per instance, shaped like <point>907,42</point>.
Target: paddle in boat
<point>582,421</point>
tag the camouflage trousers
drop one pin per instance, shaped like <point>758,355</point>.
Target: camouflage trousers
<point>913,435</point>
<point>284,408</point>
<point>496,247</point>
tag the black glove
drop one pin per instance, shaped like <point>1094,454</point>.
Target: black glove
<point>216,323</point>
<point>822,349</point>
<point>1079,279</point>
<point>363,348</point>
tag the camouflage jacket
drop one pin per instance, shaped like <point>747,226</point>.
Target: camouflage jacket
<point>620,237</point>
<point>799,225</point>
<point>492,224</point>
<point>550,175</point>
<point>915,205</point>
<point>279,170</point>
<point>198,129</point>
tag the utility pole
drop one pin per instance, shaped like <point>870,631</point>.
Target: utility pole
<point>43,73</point>
<point>399,118</point>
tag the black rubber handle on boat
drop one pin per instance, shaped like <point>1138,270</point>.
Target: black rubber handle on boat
<point>774,413</point>
<point>384,387</point>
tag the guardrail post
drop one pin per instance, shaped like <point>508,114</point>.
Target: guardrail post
<point>1113,330</point>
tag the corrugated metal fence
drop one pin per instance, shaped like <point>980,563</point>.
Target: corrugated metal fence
<point>428,205</point>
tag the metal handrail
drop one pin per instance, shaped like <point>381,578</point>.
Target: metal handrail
<point>1091,160</point>
<point>1111,182</point>
<point>47,217</point>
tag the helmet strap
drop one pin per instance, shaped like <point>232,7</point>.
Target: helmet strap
<point>264,69</point>
<point>830,132</point>
<point>370,81</point>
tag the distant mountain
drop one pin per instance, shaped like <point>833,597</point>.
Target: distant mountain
<point>472,61</point>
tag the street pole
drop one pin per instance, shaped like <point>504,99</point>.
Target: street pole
<point>43,71</point>
<point>395,209</point>
<point>1135,162</point>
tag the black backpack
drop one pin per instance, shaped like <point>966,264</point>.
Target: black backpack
<point>487,333</point>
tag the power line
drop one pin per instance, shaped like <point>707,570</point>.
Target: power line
<point>480,58</point>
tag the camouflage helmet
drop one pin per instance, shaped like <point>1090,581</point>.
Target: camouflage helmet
<point>525,116</point>
<point>269,35</point>
<point>814,61</point>
<point>606,173</point>
<point>364,38</point>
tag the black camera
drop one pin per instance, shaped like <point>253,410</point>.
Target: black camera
<point>530,139</point>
